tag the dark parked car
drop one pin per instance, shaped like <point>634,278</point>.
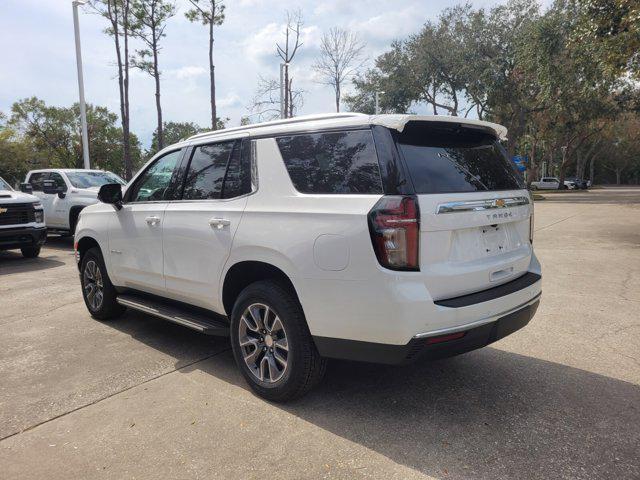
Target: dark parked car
<point>580,184</point>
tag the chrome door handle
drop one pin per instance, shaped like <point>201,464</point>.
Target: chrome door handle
<point>153,220</point>
<point>219,223</point>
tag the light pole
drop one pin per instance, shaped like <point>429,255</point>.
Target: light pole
<point>83,108</point>
<point>282,90</point>
<point>377,108</point>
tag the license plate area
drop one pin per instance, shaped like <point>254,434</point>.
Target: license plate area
<point>495,239</point>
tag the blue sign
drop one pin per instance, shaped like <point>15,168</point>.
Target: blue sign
<point>519,161</point>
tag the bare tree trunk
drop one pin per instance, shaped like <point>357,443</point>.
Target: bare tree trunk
<point>592,165</point>
<point>618,175</point>
<point>123,80</point>
<point>156,76</point>
<point>337,96</point>
<point>212,77</point>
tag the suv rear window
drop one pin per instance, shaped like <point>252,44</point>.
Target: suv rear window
<point>450,158</point>
<point>332,162</point>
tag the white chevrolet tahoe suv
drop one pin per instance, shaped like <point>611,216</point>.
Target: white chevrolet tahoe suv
<point>64,192</point>
<point>21,221</point>
<point>370,238</point>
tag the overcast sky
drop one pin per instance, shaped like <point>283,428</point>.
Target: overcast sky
<point>38,56</point>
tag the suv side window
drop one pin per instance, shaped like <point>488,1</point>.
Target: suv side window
<point>36,180</point>
<point>206,173</point>
<point>332,162</point>
<point>154,183</point>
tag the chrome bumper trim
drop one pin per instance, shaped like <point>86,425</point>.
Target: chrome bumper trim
<point>477,323</point>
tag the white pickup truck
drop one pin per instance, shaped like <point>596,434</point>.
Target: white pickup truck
<point>551,183</point>
<point>65,192</point>
<point>21,221</point>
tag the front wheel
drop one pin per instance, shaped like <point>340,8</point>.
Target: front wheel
<point>30,252</point>
<point>97,290</point>
<point>272,344</point>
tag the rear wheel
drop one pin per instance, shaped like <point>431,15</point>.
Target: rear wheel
<point>30,252</point>
<point>97,290</point>
<point>272,344</point>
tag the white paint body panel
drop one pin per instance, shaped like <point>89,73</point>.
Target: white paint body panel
<point>322,243</point>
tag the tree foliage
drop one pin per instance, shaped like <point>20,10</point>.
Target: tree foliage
<point>552,78</point>
<point>49,136</point>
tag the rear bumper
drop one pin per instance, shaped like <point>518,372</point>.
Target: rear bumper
<point>11,238</point>
<point>435,345</point>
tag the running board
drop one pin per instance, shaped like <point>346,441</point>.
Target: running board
<point>182,316</point>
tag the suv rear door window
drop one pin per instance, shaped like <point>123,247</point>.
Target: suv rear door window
<point>448,159</point>
<point>207,168</point>
<point>332,162</point>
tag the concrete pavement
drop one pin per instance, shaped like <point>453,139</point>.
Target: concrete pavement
<point>141,398</point>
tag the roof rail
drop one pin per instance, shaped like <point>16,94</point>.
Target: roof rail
<point>286,121</point>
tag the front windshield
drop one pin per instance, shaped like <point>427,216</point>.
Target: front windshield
<point>4,185</point>
<point>93,179</point>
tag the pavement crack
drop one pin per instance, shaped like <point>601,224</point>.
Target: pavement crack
<point>555,223</point>
<point>106,397</point>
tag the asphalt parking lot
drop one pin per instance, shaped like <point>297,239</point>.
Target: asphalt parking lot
<point>142,398</point>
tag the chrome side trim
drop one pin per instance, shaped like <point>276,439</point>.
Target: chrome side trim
<point>477,323</point>
<point>480,205</point>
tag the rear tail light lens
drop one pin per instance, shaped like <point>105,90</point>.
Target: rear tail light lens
<point>531,229</point>
<point>394,224</point>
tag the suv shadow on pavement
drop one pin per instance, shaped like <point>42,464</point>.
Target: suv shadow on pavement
<point>486,414</point>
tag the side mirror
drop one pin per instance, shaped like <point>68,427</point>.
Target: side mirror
<point>26,188</point>
<point>111,193</point>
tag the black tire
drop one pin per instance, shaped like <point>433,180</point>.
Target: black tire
<point>533,187</point>
<point>305,367</point>
<point>108,307</point>
<point>30,252</point>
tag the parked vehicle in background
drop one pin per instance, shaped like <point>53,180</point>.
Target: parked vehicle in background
<point>65,192</point>
<point>578,183</point>
<point>371,238</point>
<point>21,221</point>
<point>550,183</point>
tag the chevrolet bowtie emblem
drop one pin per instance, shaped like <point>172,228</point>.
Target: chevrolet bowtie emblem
<point>500,202</point>
<point>3,210</point>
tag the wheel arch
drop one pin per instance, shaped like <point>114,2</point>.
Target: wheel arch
<point>74,213</point>
<point>83,245</point>
<point>243,273</point>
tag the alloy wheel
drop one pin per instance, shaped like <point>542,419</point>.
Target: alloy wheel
<point>93,285</point>
<point>263,343</point>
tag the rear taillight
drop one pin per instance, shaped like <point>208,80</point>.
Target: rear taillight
<point>394,223</point>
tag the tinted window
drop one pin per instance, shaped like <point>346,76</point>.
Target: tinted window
<point>340,162</point>
<point>454,159</point>
<point>238,179</point>
<point>93,179</point>
<point>154,183</point>
<point>206,170</point>
<point>58,180</point>
<point>36,180</point>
